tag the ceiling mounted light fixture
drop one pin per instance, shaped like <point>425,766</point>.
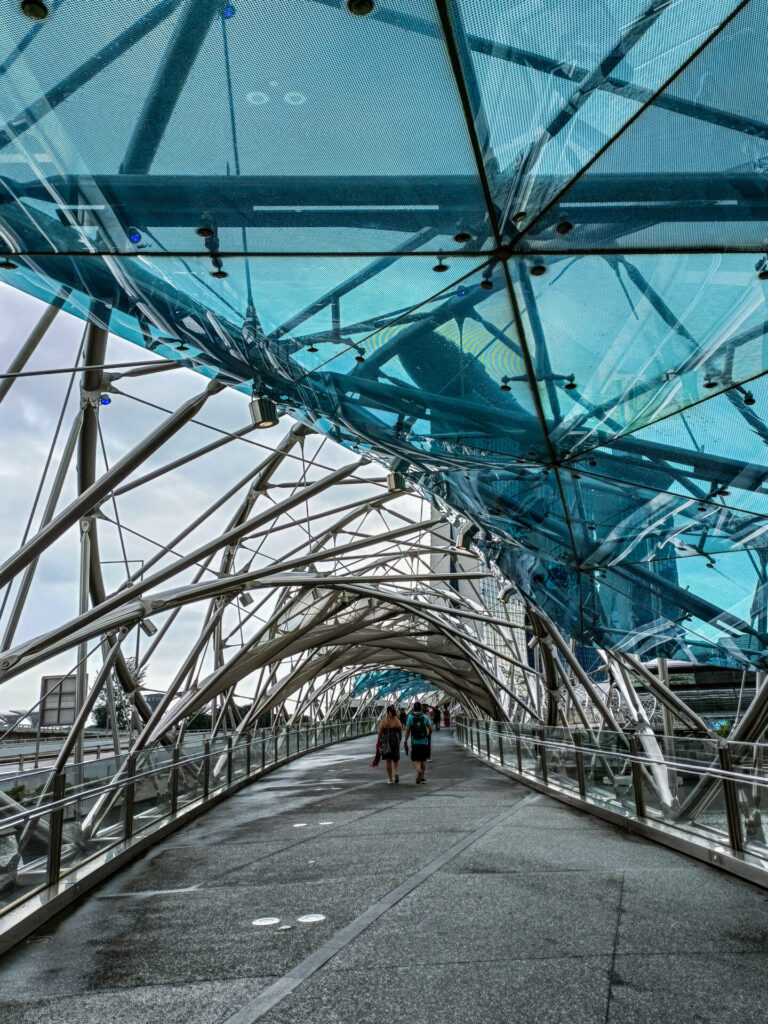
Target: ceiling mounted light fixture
<point>360,7</point>
<point>538,269</point>
<point>36,10</point>
<point>440,267</point>
<point>396,483</point>
<point>263,412</point>
<point>7,265</point>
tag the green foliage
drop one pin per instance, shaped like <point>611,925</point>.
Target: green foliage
<point>724,729</point>
<point>123,703</point>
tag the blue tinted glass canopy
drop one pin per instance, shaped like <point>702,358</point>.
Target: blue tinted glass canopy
<point>517,250</point>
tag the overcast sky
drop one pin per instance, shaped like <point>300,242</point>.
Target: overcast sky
<point>28,419</point>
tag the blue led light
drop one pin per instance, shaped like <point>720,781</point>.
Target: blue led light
<point>461,291</point>
<point>229,11</point>
<point>105,400</point>
<point>134,236</point>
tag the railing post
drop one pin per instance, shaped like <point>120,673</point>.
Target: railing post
<point>277,745</point>
<point>56,829</point>
<point>248,741</point>
<point>263,750</point>
<point>488,740</point>
<point>543,756</point>
<point>229,760</point>
<point>206,769</point>
<point>637,777</point>
<point>518,750</point>
<point>731,800</point>
<point>579,756</point>
<point>129,796</point>
<point>501,748</point>
<point>175,781</point>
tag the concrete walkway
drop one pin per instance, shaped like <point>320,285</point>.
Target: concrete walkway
<point>469,899</point>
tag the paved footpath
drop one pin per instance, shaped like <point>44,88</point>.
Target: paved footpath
<point>324,895</point>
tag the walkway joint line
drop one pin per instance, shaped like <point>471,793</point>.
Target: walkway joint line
<point>284,986</point>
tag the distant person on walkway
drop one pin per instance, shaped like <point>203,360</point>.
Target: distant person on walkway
<point>436,718</point>
<point>390,729</point>
<point>403,717</point>
<point>419,730</point>
<point>446,717</point>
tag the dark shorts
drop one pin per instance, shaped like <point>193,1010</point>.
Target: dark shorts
<point>394,751</point>
<point>419,751</point>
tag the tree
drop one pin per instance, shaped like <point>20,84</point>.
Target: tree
<point>123,702</point>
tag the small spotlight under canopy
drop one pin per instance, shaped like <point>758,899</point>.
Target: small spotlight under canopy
<point>396,483</point>
<point>264,412</point>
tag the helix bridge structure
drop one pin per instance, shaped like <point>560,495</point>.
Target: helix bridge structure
<point>487,283</point>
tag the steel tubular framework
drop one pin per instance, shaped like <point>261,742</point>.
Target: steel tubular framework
<point>570,415</point>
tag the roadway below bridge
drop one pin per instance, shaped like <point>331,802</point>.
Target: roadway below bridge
<point>321,894</point>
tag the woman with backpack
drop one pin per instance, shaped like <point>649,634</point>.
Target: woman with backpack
<point>388,744</point>
<point>418,728</point>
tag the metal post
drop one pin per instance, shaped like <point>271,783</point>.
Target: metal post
<point>129,796</point>
<point>501,748</point>
<point>229,760</point>
<point>543,756</point>
<point>518,750</point>
<point>56,829</point>
<point>175,781</point>
<point>248,741</point>
<point>81,677</point>
<point>488,741</point>
<point>579,756</point>
<point>206,768</point>
<point>731,800</point>
<point>263,750</point>
<point>637,777</point>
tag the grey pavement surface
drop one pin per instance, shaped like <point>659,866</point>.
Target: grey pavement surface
<point>549,916</point>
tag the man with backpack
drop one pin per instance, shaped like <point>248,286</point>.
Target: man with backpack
<point>418,728</point>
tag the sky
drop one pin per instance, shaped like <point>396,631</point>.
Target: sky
<point>28,420</point>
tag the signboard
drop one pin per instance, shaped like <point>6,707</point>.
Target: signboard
<point>57,695</point>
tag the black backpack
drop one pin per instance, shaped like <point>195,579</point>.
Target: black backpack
<point>419,728</point>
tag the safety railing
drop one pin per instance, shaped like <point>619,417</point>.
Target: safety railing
<point>61,833</point>
<point>699,795</point>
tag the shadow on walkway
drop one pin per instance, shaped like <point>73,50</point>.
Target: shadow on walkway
<point>323,895</point>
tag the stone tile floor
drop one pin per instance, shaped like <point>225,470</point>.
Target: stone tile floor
<point>549,916</point>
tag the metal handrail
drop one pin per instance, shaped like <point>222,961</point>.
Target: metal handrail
<point>43,810</point>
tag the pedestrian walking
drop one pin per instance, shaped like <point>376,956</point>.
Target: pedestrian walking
<point>419,729</point>
<point>390,730</point>
<point>435,718</point>
<point>403,717</point>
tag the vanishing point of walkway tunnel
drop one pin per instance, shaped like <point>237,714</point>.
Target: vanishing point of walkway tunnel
<point>323,894</point>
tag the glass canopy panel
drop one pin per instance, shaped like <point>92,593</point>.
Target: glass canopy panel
<point>616,520</point>
<point>714,456</point>
<point>556,82</point>
<point>646,611</point>
<point>620,342</point>
<point>690,172</point>
<point>367,148</point>
<point>520,506</point>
